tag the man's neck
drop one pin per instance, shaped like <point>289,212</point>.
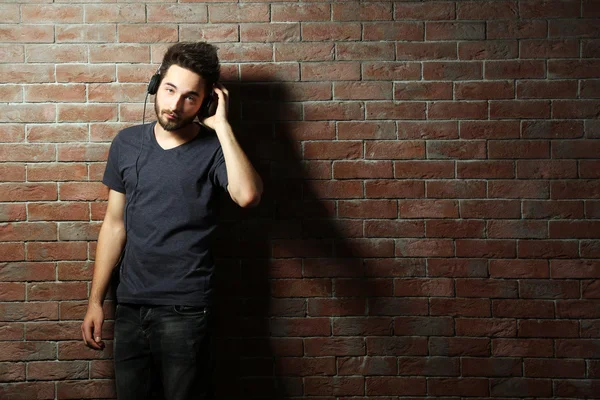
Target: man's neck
<point>177,137</point>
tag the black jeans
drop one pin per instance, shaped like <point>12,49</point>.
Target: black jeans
<point>163,352</point>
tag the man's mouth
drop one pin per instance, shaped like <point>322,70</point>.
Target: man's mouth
<point>171,116</point>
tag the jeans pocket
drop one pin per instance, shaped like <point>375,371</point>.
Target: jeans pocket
<point>190,310</point>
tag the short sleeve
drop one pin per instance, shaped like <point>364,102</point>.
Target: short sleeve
<point>112,176</point>
<point>218,171</point>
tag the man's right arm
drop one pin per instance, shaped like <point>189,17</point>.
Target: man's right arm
<point>111,241</point>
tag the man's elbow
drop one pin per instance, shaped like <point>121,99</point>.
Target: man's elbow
<point>248,200</point>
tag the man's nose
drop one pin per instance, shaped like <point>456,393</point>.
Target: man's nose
<point>176,103</point>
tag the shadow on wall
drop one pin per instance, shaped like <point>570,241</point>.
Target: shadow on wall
<point>287,268</point>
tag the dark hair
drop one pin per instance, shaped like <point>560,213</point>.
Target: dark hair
<point>198,57</point>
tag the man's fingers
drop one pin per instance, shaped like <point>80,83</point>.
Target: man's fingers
<point>86,330</point>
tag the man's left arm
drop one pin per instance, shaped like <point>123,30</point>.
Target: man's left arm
<point>244,184</point>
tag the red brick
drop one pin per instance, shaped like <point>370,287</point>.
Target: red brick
<point>458,109</point>
<point>367,366</point>
<point>57,370</point>
<point>428,209</point>
<point>330,71</point>
<point>460,70</point>
<point>423,50</point>
<point>518,149</point>
<point>57,172</point>
<point>517,229</point>
<point>431,287</point>
<point>394,189</point>
<point>455,149</point>
<point>422,91</point>
<point>456,189</point>
<point>385,71</point>
<point>362,169</point>
<point>85,73</point>
<point>284,72</point>
<point>490,50</point>
<point>521,386</point>
<point>458,386</point>
<point>363,90</point>
<point>21,231</point>
<point>393,31</point>
<point>210,33</point>
<point>263,32</point>
<point>575,108</point>
<point>392,306</point>
<point>177,13</point>
<point>577,309</point>
<point>543,48</point>
<point>54,13</point>
<point>115,13</point>
<point>547,249</point>
<point>80,33</point>
<point>394,228</point>
<point>335,189</point>
<point>50,251</point>
<point>87,112</point>
<point>394,267</point>
<point>75,350</point>
<point>552,89</point>
<point>300,12</point>
<point>121,53</point>
<point>575,189</point>
<point>512,189</point>
<point>11,93</point>
<point>365,51</point>
<point>471,268</point>
<point>396,346</point>
<point>318,347</point>
<point>29,113</point>
<point>524,69</point>
<point>395,385</point>
<point>484,90</point>
<point>482,327</point>
<point>422,326</point>
<point>331,31</point>
<point>361,12</point>
<point>367,209</point>
<point>27,33</point>
<point>519,269</point>
<point>333,150</point>
<point>27,191</point>
<point>12,53</point>
<point>543,368</point>
<point>28,390</point>
<point>548,289</point>
<point>424,169</point>
<point>460,307</point>
<point>86,389</point>
<point>219,13</point>
<point>75,270</point>
<point>517,29</point>
<point>147,33</point>
<point>489,129</point>
<point>300,327</point>
<point>336,307</point>
<point>12,212</point>
<point>78,191</point>
<point>486,248</point>
<point>473,347</point>
<point>455,31</point>
<point>424,248</point>
<point>336,386</point>
<point>59,53</point>
<point>488,367</point>
<point>395,150</point>
<point>529,328</point>
<point>102,369</point>
<point>523,308</point>
<point>522,347</point>
<point>553,209</point>
<point>13,172</point>
<point>485,169</point>
<point>366,326</point>
<point>395,110</point>
<point>575,268</point>
<point>486,288</point>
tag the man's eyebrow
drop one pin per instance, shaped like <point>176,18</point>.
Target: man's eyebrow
<point>191,92</point>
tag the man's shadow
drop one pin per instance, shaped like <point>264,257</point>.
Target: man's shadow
<point>276,263</point>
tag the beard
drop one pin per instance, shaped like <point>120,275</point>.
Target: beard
<point>171,124</point>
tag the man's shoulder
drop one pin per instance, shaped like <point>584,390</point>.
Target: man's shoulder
<point>130,134</point>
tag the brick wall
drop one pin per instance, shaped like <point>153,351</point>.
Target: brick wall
<point>430,223</point>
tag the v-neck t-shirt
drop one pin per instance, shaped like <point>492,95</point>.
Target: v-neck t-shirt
<point>172,197</point>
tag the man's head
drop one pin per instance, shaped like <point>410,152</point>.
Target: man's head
<point>187,75</point>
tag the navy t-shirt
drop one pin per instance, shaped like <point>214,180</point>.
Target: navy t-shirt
<point>170,215</point>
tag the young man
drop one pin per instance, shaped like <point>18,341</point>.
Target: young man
<point>164,181</point>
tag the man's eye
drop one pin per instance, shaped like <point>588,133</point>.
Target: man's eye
<point>191,98</point>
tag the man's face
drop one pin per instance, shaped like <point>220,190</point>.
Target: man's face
<point>178,98</point>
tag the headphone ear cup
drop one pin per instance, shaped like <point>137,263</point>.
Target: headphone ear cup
<point>154,83</point>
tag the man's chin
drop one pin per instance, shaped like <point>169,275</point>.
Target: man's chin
<point>173,125</point>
